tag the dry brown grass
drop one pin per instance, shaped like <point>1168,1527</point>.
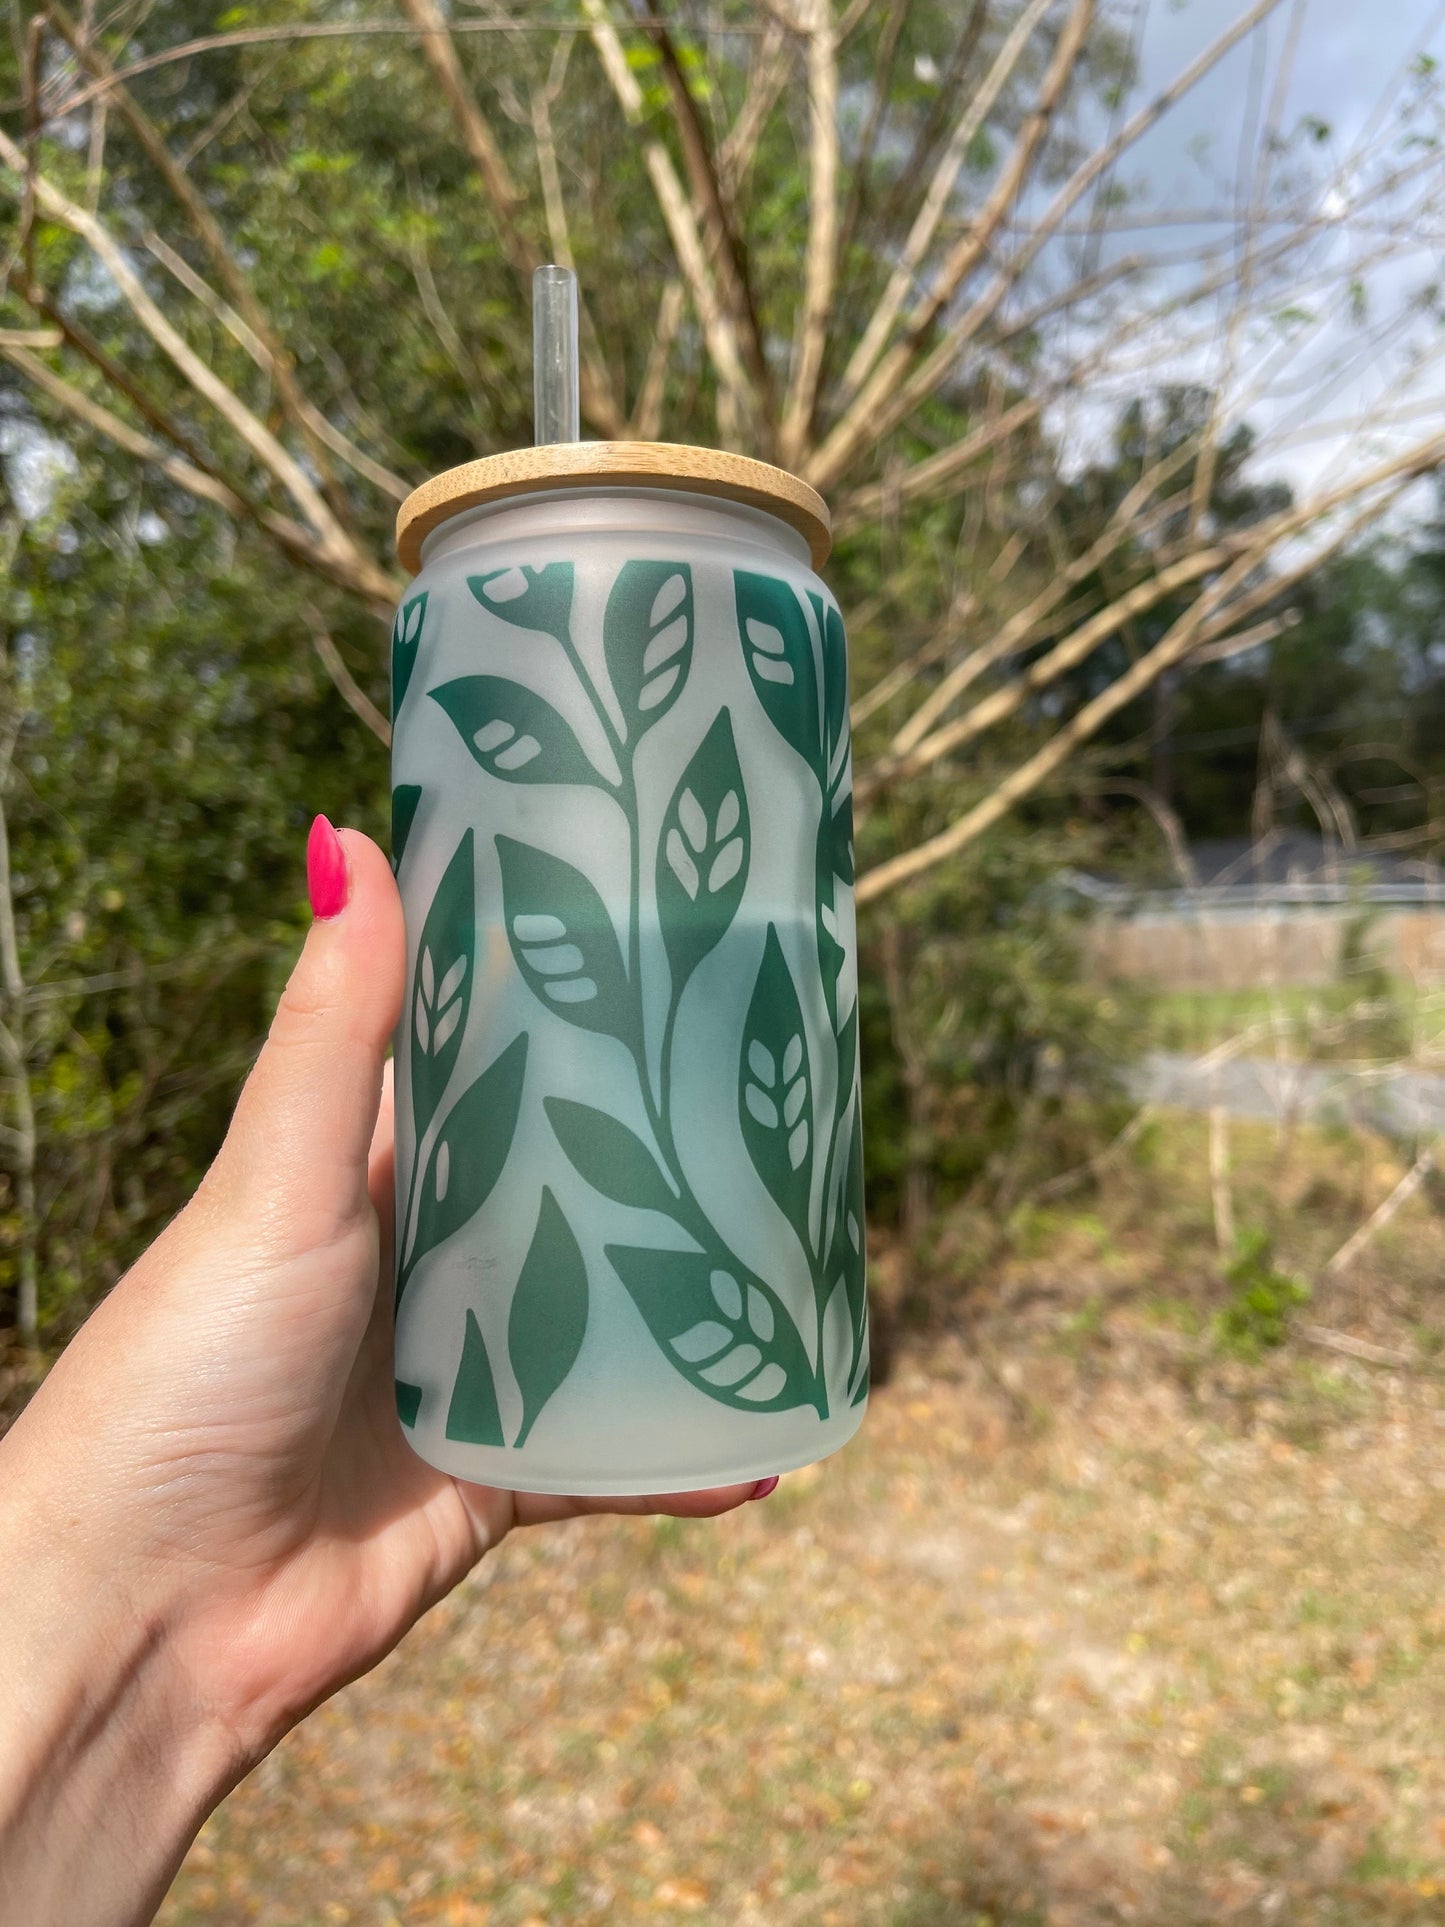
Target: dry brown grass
<point>1140,1634</point>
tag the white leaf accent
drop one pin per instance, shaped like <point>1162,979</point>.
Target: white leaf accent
<point>556,960</point>
<point>774,671</point>
<point>576,990</point>
<point>830,921</point>
<point>522,751</point>
<point>664,646</point>
<point>413,620</point>
<point>735,1365</point>
<point>452,982</point>
<point>760,1314</point>
<point>792,1109</point>
<point>728,1294</point>
<point>446,1024</point>
<point>666,599</point>
<point>762,1108</point>
<point>654,692</point>
<point>423,1029</point>
<point>681,864</point>
<point>538,929</point>
<point>853,1231</point>
<point>798,1145</point>
<point>726,865</point>
<point>760,1063</point>
<point>443,1170</point>
<point>493,734</point>
<point>762,635</point>
<point>727,816</point>
<point>701,1342</point>
<point>694,822</point>
<point>768,1383</point>
<point>792,1057</point>
<point>506,587</point>
<point>428,977</point>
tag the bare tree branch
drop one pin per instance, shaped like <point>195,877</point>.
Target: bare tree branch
<point>351,692</point>
<point>853,430</point>
<point>820,263</point>
<point>599,402</point>
<point>680,217</point>
<point>940,190</point>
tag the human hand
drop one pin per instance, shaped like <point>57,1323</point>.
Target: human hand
<point>209,1516</point>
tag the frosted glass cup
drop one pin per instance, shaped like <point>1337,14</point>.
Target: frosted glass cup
<point>630,1252</point>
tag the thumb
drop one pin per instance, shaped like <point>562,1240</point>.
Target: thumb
<point>294,1163</point>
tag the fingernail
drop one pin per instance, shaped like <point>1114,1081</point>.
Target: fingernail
<point>764,1487</point>
<point>327,883</point>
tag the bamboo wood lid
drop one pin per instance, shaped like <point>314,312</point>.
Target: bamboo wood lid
<point>662,465</point>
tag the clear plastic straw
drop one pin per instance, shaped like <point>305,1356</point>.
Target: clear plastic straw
<point>554,356</point>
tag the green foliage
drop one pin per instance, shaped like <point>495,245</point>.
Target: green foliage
<point>1261,1301</point>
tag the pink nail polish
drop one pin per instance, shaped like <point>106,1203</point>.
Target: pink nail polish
<point>764,1487</point>
<point>327,883</point>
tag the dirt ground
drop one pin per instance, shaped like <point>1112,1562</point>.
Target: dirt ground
<point>1122,1630</point>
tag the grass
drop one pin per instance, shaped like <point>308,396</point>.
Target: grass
<point>1144,1631</point>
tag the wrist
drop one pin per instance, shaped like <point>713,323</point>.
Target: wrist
<point>109,1762</point>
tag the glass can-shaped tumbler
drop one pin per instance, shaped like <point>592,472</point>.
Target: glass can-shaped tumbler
<point>630,1239</point>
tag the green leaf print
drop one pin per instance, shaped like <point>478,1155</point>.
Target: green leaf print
<point>549,1313</point>
<point>405,642</point>
<point>726,1331</point>
<point>472,1416</point>
<point>778,650</point>
<point>404,799</point>
<point>513,732</point>
<point>835,685</point>
<point>848,1251</point>
<point>647,636</point>
<point>408,1402</point>
<point>467,1154</point>
<point>831,955</point>
<point>563,940</point>
<point>529,598</point>
<point>775,1089</point>
<point>612,1158</point>
<point>702,852</point>
<point>442,985</point>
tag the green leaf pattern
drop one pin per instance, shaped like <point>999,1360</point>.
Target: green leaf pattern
<point>613,1159</point>
<point>442,985</point>
<point>513,733</point>
<point>404,800</point>
<point>703,850</point>
<point>467,1155</point>
<point>405,645</point>
<point>529,598</point>
<point>775,1088</point>
<point>549,1313</point>
<point>563,941</point>
<point>725,1329</point>
<point>647,636</point>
